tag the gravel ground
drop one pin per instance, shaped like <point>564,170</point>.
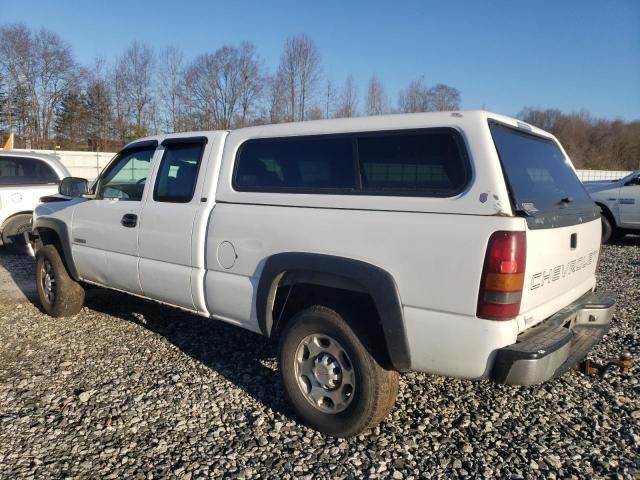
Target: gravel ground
<point>130,389</point>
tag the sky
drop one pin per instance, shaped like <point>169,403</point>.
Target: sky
<point>501,55</point>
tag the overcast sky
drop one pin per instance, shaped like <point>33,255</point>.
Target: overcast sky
<point>501,55</point>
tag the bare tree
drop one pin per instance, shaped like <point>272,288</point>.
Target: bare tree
<point>15,55</point>
<point>315,113</point>
<point>121,105</point>
<point>56,77</point>
<point>224,88</point>
<point>276,99</point>
<point>329,99</point>
<point>444,98</point>
<point>200,85</point>
<point>376,100</point>
<point>415,98</point>
<point>171,87</point>
<point>5,103</point>
<point>299,71</point>
<point>544,119</point>
<point>41,65</point>
<point>591,143</point>
<point>348,100</point>
<point>251,81</point>
<point>136,67</point>
<point>227,85</point>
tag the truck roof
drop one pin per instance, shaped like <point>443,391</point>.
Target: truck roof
<point>377,122</point>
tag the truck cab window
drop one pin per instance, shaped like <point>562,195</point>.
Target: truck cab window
<point>126,176</point>
<point>178,172</point>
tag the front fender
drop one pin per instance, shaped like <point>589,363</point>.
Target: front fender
<point>44,224</point>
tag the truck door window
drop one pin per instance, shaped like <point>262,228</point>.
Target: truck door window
<point>126,176</point>
<point>176,180</point>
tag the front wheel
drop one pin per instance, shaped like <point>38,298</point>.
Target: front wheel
<point>60,295</point>
<point>335,385</point>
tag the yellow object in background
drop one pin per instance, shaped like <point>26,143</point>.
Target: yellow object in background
<point>8,145</point>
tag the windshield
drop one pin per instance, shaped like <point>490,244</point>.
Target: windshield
<point>635,173</point>
<point>541,180</point>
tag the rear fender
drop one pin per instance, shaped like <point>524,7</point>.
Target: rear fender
<point>378,283</point>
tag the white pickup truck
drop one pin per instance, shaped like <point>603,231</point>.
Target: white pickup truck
<point>457,243</point>
<point>619,201</point>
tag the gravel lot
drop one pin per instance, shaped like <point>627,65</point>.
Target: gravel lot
<point>130,389</point>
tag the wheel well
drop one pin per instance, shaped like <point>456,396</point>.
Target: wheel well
<point>607,213</point>
<point>299,291</point>
<point>48,236</point>
<point>26,212</point>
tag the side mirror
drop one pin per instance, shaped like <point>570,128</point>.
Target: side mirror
<point>73,186</point>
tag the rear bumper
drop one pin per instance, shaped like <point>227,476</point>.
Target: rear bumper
<point>551,348</point>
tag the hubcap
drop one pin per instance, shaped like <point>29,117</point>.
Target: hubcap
<point>48,281</point>
<point>325,373</point>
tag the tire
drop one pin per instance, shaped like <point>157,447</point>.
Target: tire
<point>13,233</point>
<point>608,229</point>
<point>59,294</point>
<point>343,368</point>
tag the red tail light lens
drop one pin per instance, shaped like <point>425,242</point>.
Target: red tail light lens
<point>502,276</point>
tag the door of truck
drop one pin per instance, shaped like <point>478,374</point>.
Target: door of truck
<point>167,255</point>
<point>629,202</point>
<point>104,230</point>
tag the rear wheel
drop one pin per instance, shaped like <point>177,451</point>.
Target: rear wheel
<point>609,230</point>
<point>13,233</point>
<point>60,295</point>
<point>332,381</point>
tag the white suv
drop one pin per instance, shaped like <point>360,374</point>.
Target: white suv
<point>457,243</point>
<point>24,178</point>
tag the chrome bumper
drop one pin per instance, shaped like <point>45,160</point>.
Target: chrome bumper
<point>554,346</point>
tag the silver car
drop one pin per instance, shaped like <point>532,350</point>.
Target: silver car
<point>619,201</point>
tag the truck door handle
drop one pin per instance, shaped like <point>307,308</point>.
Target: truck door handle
<point>129,220</point>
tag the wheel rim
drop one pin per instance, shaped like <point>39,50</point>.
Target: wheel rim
<point>48,281</point>
<point>325,373</point>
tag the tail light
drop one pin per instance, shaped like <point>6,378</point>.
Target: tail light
<point>502,276</point>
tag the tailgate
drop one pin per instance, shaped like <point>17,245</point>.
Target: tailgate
<point>561,266</point>
<point>563,223</point>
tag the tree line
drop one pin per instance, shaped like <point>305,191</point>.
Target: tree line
<point>48,99</point>
<point>591,143</point>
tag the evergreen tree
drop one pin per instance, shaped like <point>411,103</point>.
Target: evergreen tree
<point>71,121</point>
<point>97,105</point>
